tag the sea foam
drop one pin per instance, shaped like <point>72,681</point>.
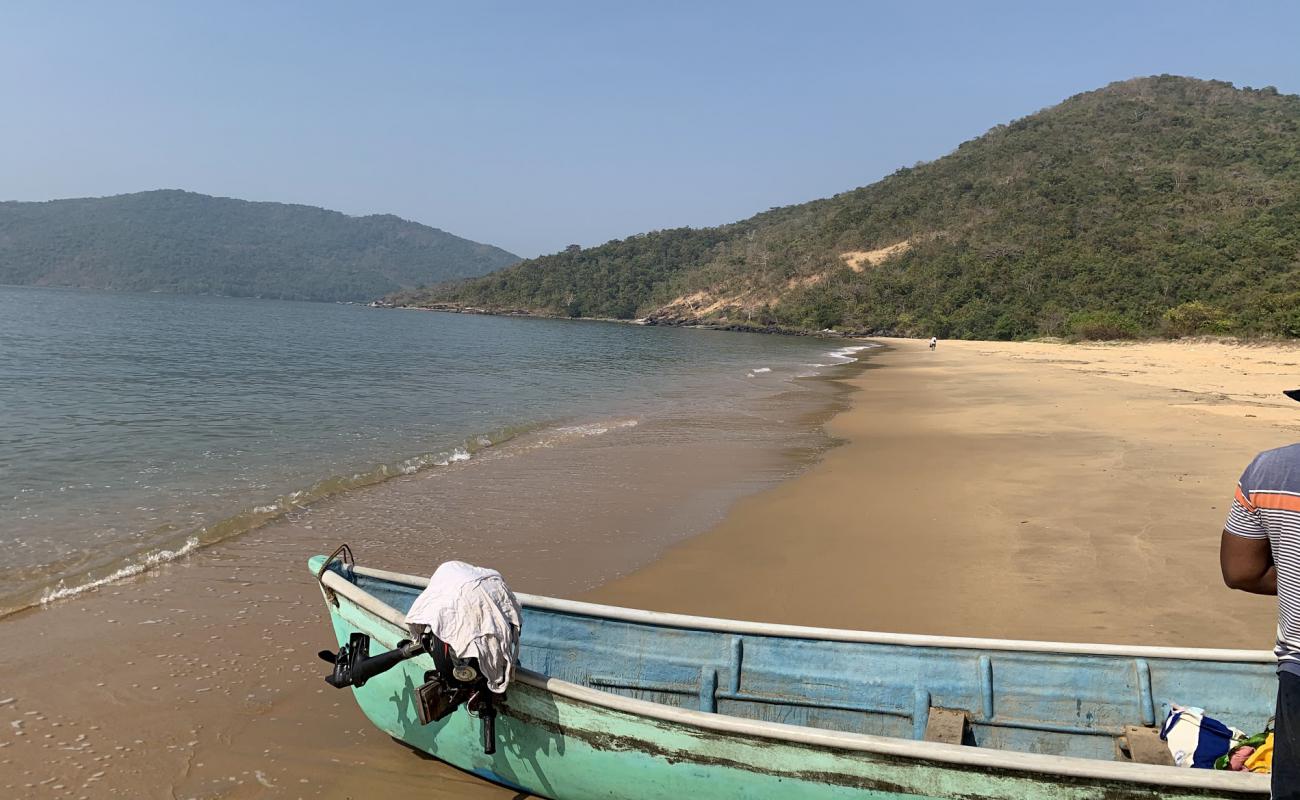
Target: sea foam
<point>847,354</point>
<point>594,428</point>
<point>151,560</point>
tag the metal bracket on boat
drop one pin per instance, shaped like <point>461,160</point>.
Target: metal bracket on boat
<point>342,553</point>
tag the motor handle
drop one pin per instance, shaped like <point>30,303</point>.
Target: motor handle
<point>488,727</point>
<point>354,668</point>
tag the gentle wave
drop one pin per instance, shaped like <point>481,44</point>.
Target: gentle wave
<point>151,560</point>
<point>182,544</point>
<point>595,428</point>
<point>847,354</point>
<point>571,432</point>
<point>844,355</point>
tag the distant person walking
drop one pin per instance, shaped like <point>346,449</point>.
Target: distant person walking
<point>934,342</point>
<point>1260,553</point>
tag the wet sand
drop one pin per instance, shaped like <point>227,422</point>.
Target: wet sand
<point>1037,491</point>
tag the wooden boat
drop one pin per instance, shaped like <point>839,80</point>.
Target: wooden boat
<point>615,702</point>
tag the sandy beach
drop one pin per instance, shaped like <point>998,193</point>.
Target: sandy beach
<point>1028,491</point>
<point>1067,492</point>
<point>1020,490</point>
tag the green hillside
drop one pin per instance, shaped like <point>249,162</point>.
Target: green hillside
<point>174,241</point>
<point>1154,204</point>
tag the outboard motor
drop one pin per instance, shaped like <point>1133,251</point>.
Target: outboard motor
<point>452,683</point>
<point>468,622</point>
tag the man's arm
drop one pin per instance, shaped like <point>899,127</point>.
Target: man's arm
<point>1247,564</point>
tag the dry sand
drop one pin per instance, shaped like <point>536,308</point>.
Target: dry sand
<point>1025,490</point>
<point>1041,491</point>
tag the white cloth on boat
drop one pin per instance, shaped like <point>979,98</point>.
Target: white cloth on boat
<point>475,613</point>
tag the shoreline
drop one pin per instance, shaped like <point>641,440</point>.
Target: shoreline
<point>257,514</point>
<point>649,322</point>
<point>705,323</point>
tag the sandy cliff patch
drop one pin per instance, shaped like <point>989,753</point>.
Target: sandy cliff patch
<point>805,281</point>
<point>858,260</point>
<point>703,305</point>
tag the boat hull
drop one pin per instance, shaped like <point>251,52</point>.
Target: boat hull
<point>558,745</point>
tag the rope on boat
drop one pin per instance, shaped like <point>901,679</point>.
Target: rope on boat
<point>344,554</point>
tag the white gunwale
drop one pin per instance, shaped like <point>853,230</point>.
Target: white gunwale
<point>839,635</point>
<point>1065,766</point>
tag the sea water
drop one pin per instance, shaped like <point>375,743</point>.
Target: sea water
<point>138,428</point>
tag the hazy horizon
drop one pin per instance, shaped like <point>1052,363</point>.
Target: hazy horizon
<point>530,128</point>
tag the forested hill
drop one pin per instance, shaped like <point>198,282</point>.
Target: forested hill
<point>1161,203</point>
<point>174,241</point>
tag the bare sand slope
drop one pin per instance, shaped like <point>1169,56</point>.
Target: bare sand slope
<point>1045,491</point>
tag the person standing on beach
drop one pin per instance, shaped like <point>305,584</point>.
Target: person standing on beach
<point>1260,553</point>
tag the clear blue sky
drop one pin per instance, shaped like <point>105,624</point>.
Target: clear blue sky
<point>533,125</point>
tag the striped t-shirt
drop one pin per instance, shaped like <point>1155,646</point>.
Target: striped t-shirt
<point>1267,506</point>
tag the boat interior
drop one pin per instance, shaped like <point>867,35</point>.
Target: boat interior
<point>1091,701</point>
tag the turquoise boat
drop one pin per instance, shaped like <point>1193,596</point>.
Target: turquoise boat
<point>614,702</point>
